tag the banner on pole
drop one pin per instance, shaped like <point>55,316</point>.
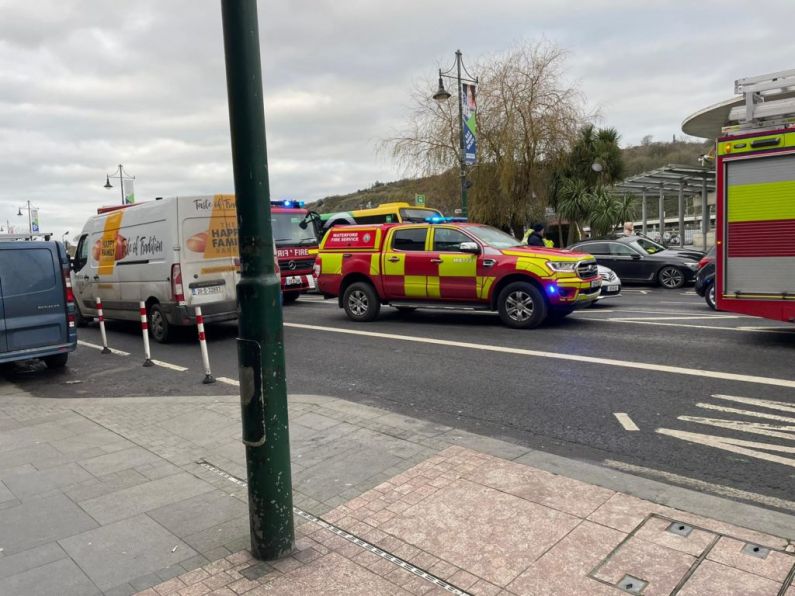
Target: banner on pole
<point>128,185</point>
<point>34,220</point>
<point>468,115</point>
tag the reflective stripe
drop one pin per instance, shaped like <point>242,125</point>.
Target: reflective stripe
<point>415,286</point>
<point>535,266</point>
<point>394,267</point>
<point>762,202</point>
<point>331,263</point>
<point>434,288</point>
<point>375,264</point>
<point>458,265</point>
<point>484,287</point>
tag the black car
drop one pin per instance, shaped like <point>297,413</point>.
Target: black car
<point>633,261</point>
<point>652,247</point>
<point>705,279</point>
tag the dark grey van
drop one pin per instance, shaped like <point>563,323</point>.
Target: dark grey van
<point>37,310</point>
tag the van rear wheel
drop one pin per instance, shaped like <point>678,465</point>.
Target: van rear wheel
<point>361,302</point>
<point>159,327</point>
<point>56,361</point>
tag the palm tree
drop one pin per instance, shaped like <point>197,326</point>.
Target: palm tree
<point>608,211</point>
<point>574,204</point>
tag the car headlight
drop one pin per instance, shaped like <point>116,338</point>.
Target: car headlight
<point>691,265</point>
<point>559,266</point>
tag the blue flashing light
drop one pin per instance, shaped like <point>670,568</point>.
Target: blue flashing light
<point>439,219</point>
<point>287,204</point>
<point>553,289</point>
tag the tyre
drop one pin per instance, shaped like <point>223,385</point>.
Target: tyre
<point>521,306</point>
<point>671,277</point>
<point>56,361</point>
<point>290,297</point>
<point>709,297</point>
<point>80,320</point>
<point>361,302</point>
<point>159,328</point>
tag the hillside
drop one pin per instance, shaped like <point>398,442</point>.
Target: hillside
<point>442,191</point>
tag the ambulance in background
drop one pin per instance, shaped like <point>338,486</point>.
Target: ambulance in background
<point>173,254</point>
<point>755,235</point>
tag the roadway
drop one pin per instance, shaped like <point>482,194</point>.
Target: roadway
<point>652,382</point>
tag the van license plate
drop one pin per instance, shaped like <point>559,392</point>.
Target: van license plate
<point>207,290</point>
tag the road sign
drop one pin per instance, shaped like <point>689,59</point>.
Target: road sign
<point>419,200</point>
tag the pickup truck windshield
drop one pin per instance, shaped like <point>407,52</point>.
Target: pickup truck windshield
<point>286,230</point>
<point>493,237</point>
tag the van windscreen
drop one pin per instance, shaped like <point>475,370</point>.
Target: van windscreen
<point>288,232</point>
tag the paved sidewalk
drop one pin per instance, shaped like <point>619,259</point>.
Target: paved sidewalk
<point>126,495</point>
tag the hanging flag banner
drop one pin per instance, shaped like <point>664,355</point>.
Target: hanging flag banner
<point>469,124</point>
<point>129,190</point>
<point>34,220</point>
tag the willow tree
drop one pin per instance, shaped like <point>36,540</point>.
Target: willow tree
<point>527,113</point>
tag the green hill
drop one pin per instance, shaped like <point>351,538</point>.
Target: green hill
<point>442,191</point>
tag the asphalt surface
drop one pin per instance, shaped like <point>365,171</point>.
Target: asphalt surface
<point>658,356</point>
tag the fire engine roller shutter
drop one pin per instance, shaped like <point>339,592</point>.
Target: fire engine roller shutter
<point>760,215</point>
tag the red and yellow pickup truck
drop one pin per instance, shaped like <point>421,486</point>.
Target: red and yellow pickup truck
<point>467,265</point>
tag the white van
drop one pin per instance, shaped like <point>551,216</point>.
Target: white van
<point>173,254</point>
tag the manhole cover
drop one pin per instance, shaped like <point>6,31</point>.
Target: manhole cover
<point>680,529</point>
<point>754,550</point>
<point>633,585</point>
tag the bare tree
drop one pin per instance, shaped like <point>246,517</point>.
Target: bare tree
<point>527,115</point>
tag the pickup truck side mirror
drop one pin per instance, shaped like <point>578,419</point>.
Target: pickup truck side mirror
<point>469,247</point>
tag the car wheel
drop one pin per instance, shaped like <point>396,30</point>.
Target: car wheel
<point>290,297</point>
<point>671,277</point>
<point>709,296</point>
<point>521,306</point>
<point>360,302</point>
<point>159,327</point>
<point>56,361</point>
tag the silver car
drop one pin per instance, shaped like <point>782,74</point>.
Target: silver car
<point>611,284</point>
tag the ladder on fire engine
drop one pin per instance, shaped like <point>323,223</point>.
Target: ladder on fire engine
<point>769,101</point>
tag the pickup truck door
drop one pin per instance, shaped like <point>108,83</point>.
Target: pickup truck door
<point>407,264</point>
<point>457,270</point>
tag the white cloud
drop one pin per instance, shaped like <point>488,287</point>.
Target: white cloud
<point>85,85</point>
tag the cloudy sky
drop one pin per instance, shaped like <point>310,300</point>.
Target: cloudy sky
<point>88,84</point>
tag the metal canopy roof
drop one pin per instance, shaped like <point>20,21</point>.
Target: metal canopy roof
<point>670,179</point>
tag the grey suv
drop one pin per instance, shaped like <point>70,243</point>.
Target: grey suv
<point>37,310</point>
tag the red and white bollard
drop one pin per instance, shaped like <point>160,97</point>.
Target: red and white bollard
<point>208,376</point>
<point>145,329</point>
<point>101,319</point>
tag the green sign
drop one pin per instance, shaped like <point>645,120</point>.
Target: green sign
<point>419,200</point>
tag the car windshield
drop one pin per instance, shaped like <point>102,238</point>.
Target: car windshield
<point>418,215</point>
<point>649,246</point>
<point>288,232</point>
<point>493,237</point>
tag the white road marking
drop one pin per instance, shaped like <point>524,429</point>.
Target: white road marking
<point>687,325</point>
<point>625,421</point>
<point>644,292</point>
<point>753,401</point>
<point>229,381</point>
<point>745,412</point>
<point>738,446</point>
<point>697,317</point>
<point>80,342</point>
<point>702,486</point>
<point>768,430</point>
<point>169,365</point>
<point>710,374</point>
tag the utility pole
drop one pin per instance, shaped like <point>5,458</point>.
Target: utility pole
<point>263,391</point>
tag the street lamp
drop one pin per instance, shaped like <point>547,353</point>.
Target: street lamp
<point>30,219</point>
<point>120,174</point>
<point>443,95</point>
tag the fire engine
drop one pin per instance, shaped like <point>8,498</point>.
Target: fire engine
<point>296,247</point>
<point>755,162</point>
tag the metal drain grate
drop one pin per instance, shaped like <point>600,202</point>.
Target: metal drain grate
<point>437,581</point>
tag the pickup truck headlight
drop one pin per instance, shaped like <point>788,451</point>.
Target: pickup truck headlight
<point>562,266</point>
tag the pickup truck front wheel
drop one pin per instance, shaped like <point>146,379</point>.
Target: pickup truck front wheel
<point>521,306</point>
<point>360,302</point>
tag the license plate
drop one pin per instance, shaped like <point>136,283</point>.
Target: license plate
<point>612,288</point>
<point>206,290</point>
<point>294,281</point>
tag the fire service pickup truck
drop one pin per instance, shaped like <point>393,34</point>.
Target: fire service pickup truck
<point>460,265</point>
